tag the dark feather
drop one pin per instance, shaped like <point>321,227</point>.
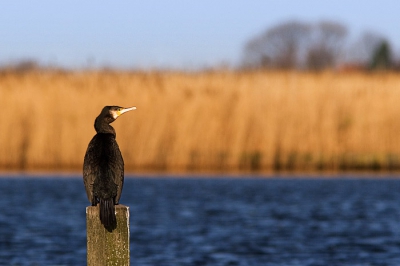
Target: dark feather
<point>107,214</point>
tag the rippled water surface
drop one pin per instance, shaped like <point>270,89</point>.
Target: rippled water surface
<point>204,221</point>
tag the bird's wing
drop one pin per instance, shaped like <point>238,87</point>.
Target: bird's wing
<point>118,168</point>
<point>89,172</point>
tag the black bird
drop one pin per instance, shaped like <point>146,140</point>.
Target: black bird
<point>103,166</point>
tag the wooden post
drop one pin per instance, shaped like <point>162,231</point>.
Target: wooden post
<point>104,247</point>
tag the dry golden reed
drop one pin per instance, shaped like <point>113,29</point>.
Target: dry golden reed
<point>204,121</point>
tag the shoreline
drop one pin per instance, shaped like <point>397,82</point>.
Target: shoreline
<point>215,174</point>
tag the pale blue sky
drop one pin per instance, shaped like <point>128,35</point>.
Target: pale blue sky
<point>176,33</point>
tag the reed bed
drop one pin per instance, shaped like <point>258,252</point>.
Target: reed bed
<point>221,120</point>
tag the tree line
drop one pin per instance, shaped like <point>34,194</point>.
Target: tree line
<point>317,46</point>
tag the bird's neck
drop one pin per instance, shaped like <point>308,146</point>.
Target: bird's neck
<point>102,126</point>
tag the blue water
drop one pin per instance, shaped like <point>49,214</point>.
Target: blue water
<point>204,221</point>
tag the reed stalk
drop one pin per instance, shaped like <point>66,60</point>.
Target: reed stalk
<point>204,121</point>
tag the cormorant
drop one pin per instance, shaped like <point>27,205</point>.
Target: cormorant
<point>103,166</point>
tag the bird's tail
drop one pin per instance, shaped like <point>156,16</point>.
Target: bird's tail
<point>107,214</point>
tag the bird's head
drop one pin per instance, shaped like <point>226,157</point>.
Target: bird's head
<point>107,116</point>
<point>116,111</point>
<point>111,113</point>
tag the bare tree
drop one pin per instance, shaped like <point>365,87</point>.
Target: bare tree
<point>328,39</point>
<point>279,47</point>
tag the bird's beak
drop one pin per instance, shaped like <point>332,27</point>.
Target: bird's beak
<point>124,110</point>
